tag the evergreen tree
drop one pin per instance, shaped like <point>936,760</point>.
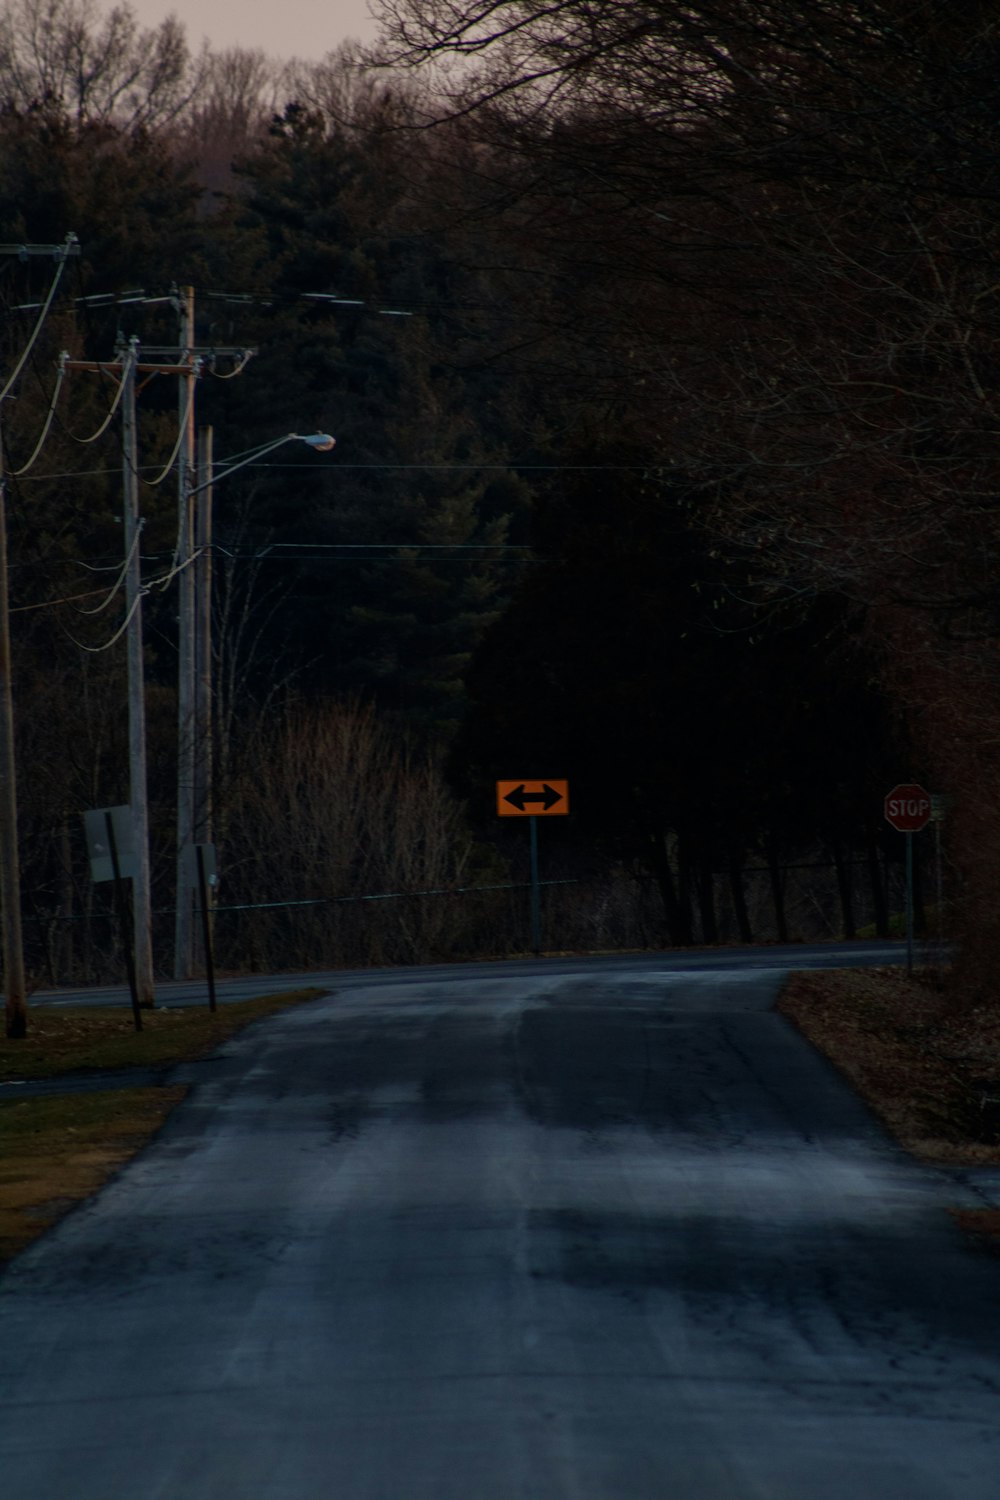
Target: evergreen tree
<point>396,543</point>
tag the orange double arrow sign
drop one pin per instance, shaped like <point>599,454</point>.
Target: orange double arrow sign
<point>532,799</point>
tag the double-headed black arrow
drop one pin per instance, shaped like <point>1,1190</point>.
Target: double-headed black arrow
<point>548,797</point>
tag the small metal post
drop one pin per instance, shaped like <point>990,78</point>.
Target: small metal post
<point>909,902</point>
<point>939,889</point>
<point>206,925</point>
<point>122,904</point>
<point>536,899</point>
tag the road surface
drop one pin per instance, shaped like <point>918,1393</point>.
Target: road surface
<point>524,1232</point>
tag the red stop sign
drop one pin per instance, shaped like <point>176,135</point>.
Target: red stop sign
<point>908,808</point>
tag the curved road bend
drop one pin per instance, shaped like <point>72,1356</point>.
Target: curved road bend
<point>520,1233</point>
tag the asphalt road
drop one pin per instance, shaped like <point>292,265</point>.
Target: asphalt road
<point>860,953</point>
<point>537,1232</point>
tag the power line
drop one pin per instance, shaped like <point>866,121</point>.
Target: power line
<point>513,467</point>
<point>18,473</point>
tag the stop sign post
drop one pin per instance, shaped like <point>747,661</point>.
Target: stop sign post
<point>908,808</point>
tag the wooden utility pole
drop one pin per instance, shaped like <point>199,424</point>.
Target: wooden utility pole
<point>15,986</point>
<point>16,1007</point>
<point>193,725</point>
<point>127,359</point>
<point>184,363</point>
<point>187,731</point>
<point>202,798</point>
<point>203,642</point>
<point>138,780</point>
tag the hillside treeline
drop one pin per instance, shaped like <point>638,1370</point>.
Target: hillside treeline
<point>658,346</point>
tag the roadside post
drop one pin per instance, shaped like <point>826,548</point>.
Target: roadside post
<point>207,878</point>
<point>908,809</point>
<point>533,800</point>
<point>110,843</point>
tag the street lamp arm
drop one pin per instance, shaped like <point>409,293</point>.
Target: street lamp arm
<point>322,442</point>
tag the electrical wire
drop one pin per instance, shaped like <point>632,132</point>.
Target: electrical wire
<point>23,609</point>
<point>36,331</point>
<point>233,373</point>
<point>104,425</point>
<point>503,468</point>
<point>16,473</point>
<point>96,650</point>
<point>119,581</point>
<point>172,572</point>
<point>152,483</point>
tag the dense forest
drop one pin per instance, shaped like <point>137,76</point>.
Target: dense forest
<point>659,345</point>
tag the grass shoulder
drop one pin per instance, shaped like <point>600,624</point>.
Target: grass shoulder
<point>58,1150</point>
<point>78,1039</point>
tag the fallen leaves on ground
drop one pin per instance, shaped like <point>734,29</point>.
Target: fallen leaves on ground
<point>929,1068</point>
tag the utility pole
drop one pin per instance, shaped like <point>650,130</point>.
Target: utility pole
<point>16,1007</point>
<point>187,729</point>
<point>193,726</point>
<point>138,781</point>
<point>203,642</point>
<point>203,663</point>
<point>128,358</point>
<point>15,986</point>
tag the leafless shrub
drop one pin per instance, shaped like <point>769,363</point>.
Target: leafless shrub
<point>331,808</point>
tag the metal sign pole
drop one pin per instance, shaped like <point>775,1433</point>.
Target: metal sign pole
<point>123,913</point>
<point>536,895</point>
<point>533,799</point>
<point>909,902</point>
<point>206,925</point>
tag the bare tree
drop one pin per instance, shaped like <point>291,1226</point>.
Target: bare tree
<point>99,66</point>
<point>239,91</point>
<point>767,234</point>
<point>336,835</point>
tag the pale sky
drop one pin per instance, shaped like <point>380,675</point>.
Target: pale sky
<point>283,28</point>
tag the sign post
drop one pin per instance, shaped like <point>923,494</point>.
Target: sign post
<point>201,850</point>
<point>536,891</point>
<point>533,800</point>
<point>199,869</point>
<point>908,808</point>
<point>111,846</point>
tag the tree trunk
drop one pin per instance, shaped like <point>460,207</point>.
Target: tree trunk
<point>919,907</point>
<point>64,946</point>
<point>685,881</point>
<point>877,881</point>
<point>678,926</point>
<point>777,893</point>
<point>706,905</point>
<point>843,869</point>
<point>739,898</point>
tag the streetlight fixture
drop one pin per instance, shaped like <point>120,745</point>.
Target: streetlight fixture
<point>322,442</point>
<point>194,684</point>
